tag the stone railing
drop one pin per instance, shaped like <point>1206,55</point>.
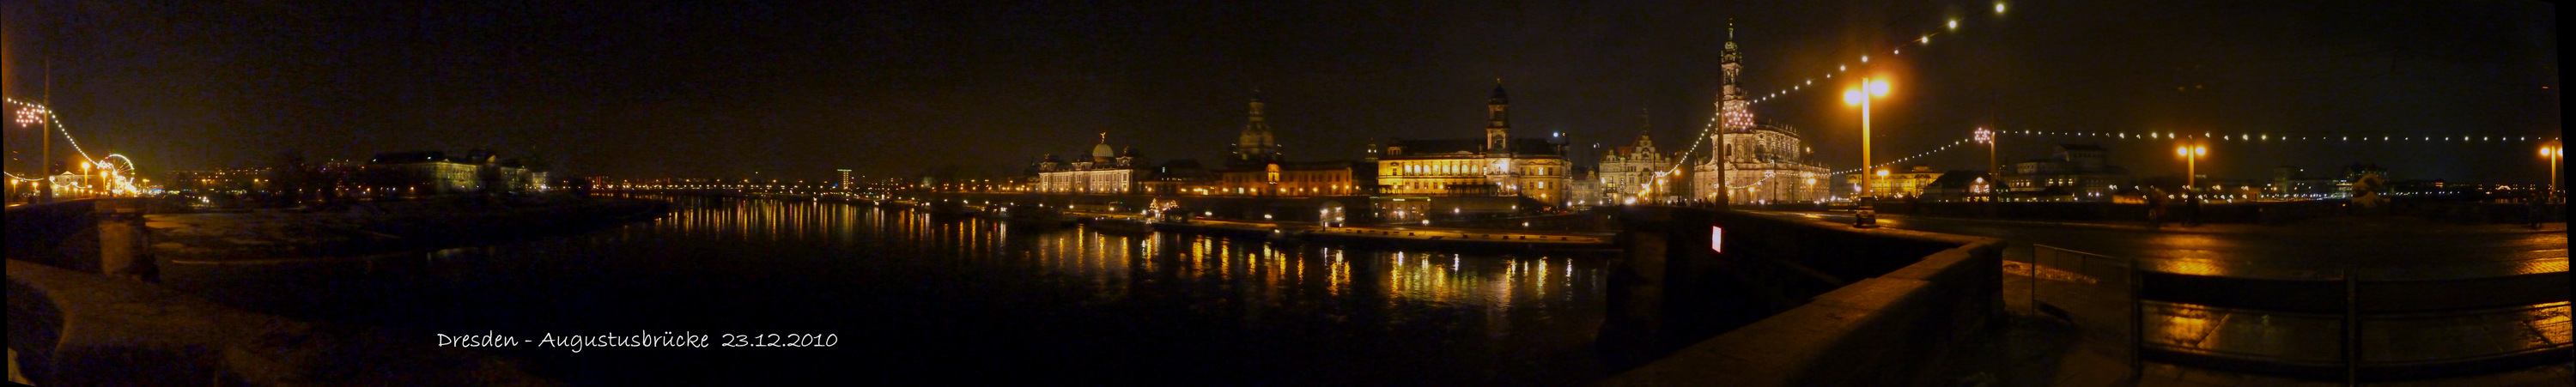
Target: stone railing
<point>1794,303</point>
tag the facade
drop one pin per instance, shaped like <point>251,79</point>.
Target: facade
<point>1755,164</point>
<point>1496,165</point>
<point>1627,171</point>
<point>1106,172</point>
<point>434,173</point>
<point>2075,172</point>
<point>1887,184</point>
<point>1328,178</point>
<point>1958,186</point>
<point>1586,190</point>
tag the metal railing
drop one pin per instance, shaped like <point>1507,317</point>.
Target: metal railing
<point>2354,325</point>
<point>2373,324</point>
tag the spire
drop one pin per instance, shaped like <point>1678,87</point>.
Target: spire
<point>1645,122</point>
<point>1499,97</point>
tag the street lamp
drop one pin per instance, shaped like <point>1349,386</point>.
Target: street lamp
<point>2554,151</point>
<point>2191,165</point>
<point>1865,216</point>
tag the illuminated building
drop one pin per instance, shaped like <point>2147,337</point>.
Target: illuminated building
<point>1627,171</point>
<point>425,173</point>
<point>1496,165</point>
<point>1957,186</point>
<point>2076,171</point>
<point>1760,163</point>
<point>1276,178</point>
<point>1586,190</point>
<point>1893,184</point>
<point>1107,172</point>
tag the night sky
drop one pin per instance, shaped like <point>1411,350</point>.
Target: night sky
<point>797,89</point>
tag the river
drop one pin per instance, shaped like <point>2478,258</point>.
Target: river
<point>908,299</point>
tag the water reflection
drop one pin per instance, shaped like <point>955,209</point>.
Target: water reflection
<point>1081,305</point>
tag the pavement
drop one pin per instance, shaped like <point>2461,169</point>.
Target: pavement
<point>2078,334</point>
<point>2380,247</point>
<point>2081,339</point>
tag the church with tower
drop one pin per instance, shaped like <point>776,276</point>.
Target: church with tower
<point>1754,163</point>
<point>1493,165</point>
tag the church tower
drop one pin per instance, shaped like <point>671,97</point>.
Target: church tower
<point>1498,126</point>
<point>1256,145</point>
<point>1736,112</point>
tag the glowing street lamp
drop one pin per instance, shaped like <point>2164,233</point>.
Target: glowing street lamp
<point>2191,169</point>
<point>2555,151</point>
<point>1865,216</point>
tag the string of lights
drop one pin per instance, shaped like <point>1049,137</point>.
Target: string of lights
<point>1950,26</point>
<point>1924,40</point>
<point>2262,137</point>
<point>1943,147</point>
<point>115,178</point>
<point>50,118</point>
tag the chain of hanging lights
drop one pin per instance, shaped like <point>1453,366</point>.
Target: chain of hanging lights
<point>2264,137</point>
<point>1732,117</point>
<point>119,177</point>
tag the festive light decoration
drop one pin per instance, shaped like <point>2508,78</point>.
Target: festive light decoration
<point>1950,25</point>
<point>118,178</point>
<point>2268,137</point>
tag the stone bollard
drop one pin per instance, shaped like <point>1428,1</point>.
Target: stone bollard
<point>123,243</point>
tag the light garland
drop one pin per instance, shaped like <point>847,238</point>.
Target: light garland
<point>1730,113</point>
<point>1924,40</point>
<point>119,180</point>
<point>57,122</point>
<point>2265,137</point>
<point>1944,147</point>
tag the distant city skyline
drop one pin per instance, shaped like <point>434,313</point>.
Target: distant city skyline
<point>800,89</point>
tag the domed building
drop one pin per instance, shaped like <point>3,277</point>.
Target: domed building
<point>1107,172</point>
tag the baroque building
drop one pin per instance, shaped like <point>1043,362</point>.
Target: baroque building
<point>1106,172</point>
<point>1494,165</point>
<point>1627,171</point>
<point>1754,164</point>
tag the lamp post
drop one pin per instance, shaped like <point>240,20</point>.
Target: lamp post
<point>2554,151</point>
<point>1865,215</point>
<point>2191,167</point>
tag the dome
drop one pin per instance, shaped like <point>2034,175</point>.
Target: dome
<point>1103,151</point>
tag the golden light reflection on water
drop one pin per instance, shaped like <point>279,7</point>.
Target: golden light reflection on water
<point>1113,266</point>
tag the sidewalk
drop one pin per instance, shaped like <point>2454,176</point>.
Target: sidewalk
<point>2321,226</point>
<point>2075,344</point>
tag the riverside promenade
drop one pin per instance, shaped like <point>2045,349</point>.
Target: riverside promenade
<point>2417,302</point>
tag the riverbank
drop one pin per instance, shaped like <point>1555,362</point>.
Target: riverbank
<point>378,228</point>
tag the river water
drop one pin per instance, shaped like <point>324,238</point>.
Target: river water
<point>908,299</point>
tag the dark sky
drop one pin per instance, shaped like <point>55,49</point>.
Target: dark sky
<point>796,89</point>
